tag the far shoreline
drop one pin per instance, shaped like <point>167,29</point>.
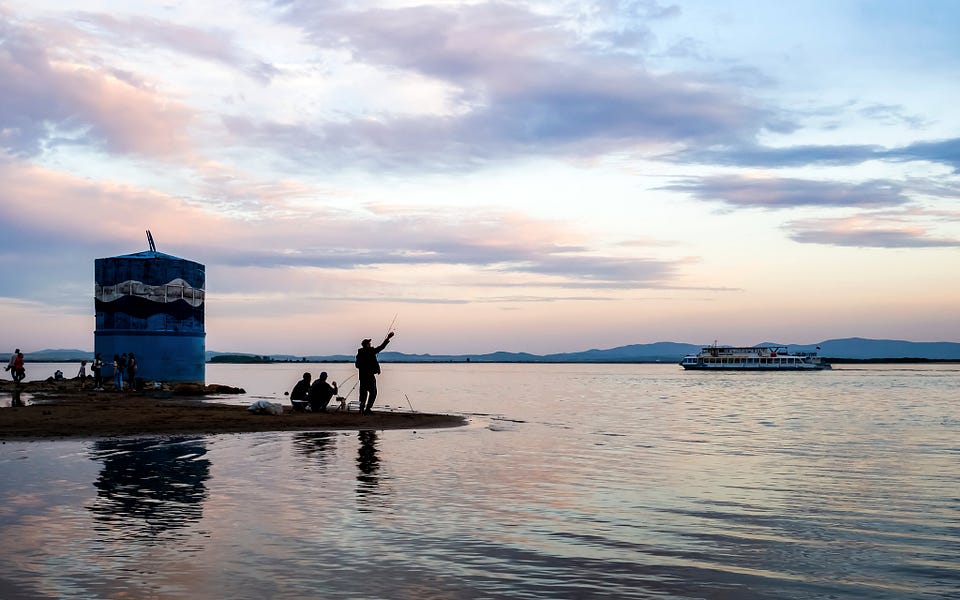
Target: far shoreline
<point>832,361</point>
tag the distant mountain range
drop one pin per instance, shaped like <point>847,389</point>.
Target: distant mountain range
<point>846,348</point>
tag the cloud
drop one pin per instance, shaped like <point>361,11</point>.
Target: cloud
<point>51,100</point>
<point>892,114</point>
<point>631,272</point>
<point>881,230</point>
<point>493,241</point>
<point>518,83</point>
<point>218,46</point>
<point>59,223</point>
<point>768,157</point>
<point>779,192</point>
<point>946,151</point>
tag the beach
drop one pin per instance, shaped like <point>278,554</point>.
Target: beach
<point>59,409</point>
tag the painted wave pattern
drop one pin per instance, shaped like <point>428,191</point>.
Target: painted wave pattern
<point>141,308</point>
<point>176,290</point>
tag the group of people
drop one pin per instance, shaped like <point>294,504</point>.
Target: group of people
<point>317,395</point>
<point>123,365</point>
<point>16,365</point>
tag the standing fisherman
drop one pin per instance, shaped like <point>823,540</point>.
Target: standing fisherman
<point>369,368</point>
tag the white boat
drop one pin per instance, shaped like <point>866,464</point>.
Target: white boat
<point>753,358</point>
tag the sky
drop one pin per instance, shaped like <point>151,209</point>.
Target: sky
<point>540,176</point>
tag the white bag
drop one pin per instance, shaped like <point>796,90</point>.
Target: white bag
<point>265,407</point>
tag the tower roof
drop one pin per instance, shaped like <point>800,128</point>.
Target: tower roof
<point>151,254</point>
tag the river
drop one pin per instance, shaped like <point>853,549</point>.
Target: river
<point>571,481</point>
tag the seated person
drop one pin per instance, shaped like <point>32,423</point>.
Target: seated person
<point>298,397</point>
<point>321,392</point>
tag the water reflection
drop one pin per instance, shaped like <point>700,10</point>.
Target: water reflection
<point>315,444</point>
<point>368,465</point>
<point>151,485</point>
<point>16,400</point>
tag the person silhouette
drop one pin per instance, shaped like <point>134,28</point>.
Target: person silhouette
<point>369,367</point>
<point>19,372</point>
<point>13,359</point>
<point>300,392</point>
<point>321,392</point>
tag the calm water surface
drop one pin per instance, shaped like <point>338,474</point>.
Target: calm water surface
<point>571,481</point>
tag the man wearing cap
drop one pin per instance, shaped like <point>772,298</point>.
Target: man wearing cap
<point>321,392</point>
<point>369,368</point>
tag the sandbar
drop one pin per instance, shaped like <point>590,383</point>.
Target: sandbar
<point>61,410</point>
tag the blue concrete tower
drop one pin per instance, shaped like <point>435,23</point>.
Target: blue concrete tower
<point>152,304</point>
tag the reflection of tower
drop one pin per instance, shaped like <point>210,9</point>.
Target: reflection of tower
<point>152,304</point>
<point>367,463</point>
<point>153,484</point>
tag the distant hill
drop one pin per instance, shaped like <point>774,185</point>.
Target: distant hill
<point>865,349</point>
<point>57,355</point>
<point>846,348</point>
<point>656,352</point>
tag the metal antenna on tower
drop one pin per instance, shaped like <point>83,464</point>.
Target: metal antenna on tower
<point>153,247</point>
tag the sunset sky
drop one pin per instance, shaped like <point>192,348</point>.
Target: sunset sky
<point>541,176</point>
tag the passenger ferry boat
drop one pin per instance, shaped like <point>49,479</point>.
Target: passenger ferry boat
<point>753,358</point>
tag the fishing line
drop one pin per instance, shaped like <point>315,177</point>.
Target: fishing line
<point>392,323</point>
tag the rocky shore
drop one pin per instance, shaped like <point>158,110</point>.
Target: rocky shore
<point>60,409</point>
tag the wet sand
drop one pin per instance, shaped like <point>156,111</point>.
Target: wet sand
<point>60,410</point>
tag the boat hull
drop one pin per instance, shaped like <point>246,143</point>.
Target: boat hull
<point>756,368</point>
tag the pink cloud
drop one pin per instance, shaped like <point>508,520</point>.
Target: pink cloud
<point>50,96</point>
<point>37,200</point>
<point>880,230</point>
<point>74,213</point>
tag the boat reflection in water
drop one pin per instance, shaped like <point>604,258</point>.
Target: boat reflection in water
<point>753,358</point>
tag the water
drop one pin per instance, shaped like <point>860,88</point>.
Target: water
<point>571,481</point>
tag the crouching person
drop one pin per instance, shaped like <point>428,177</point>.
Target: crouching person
<point>298,396</point>
<point>321,392</point>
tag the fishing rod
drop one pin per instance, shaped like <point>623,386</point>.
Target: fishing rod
<point>347,395</point>
<point>392,323</point>
<point>348,378</point>
<point>344,382</point>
